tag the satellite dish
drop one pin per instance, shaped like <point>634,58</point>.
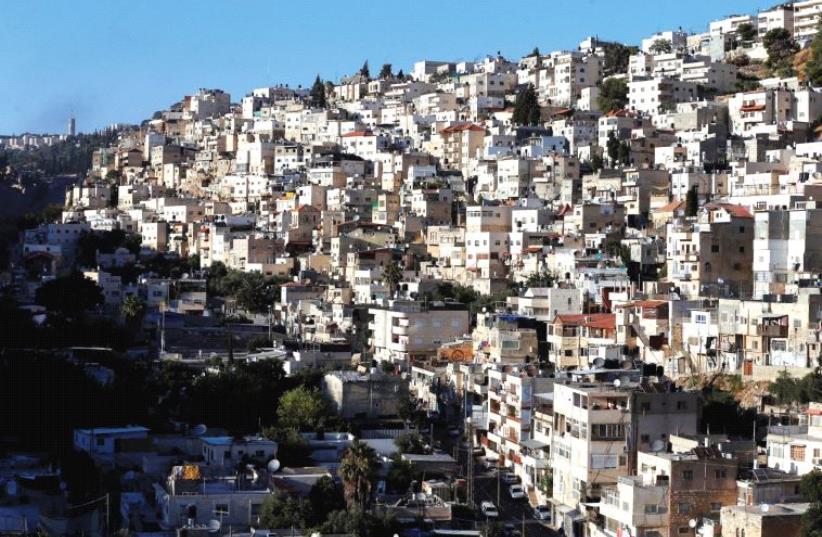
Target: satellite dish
<point>213,525</point>
<point>199,430</point>
<point>273,465</point>
<point>617,383</point>
<point>658,445</point>
<point>765,507</point>
<point>11,488</point>
<point>692,523</point>
<point>599,362</point>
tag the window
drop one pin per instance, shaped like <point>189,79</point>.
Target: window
<point>255,509</point>
<point>721,474</point>
<point>682,405</point>
<point>221,509</point>
<point>101,441</point>
<point>645,407</point>
<point>644,438</point>
<point>797,453</point>
<point>683,508</point>
<point>716,506</point>
<point>650,509</point>
<point>688,475</point>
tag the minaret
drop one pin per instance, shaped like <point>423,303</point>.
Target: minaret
<point>71,126</point>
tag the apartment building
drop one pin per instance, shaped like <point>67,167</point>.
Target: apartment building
<point>403,331</point>
<point>598,429</point>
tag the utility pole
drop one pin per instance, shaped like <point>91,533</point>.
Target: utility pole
<point>469,489</point>
<point>499,471</point>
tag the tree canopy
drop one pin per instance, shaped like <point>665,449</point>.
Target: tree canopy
<point>613,95</point>
<point>70,295</point>
<point>781,48</point>
<point>616,58</point>
<point>526,107</point>
<point>385,71</point>
<point>318,93</point>
<point>358,470</point>
<point>364,70</point>
<point>813,67</point>
<point>661,46</point>
<point>301,408</point>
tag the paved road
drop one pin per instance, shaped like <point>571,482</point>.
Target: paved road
<point>485,488</point>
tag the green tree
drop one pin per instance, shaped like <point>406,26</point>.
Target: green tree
<point>301,408</point>
<point>540,279</point>
<point>534,53</point>
<point>318,93</point>
<point>811,488</point>
<point>400,474</point>
<point>613,95</point>
<point>596,162</point>
<point>692,201</point>
<point>813,67</point>
<point>132,309</point>
<point>283,511</point>
<point>612,147</point>
<point>358,470</point>
<point>400,75</point>
<point>616,58</point>
<point>661,46</point>
<point>781,48</point>
<point>364,71</point>
<point>385,71</point>
<point>325,496</point>
<point>624,153</point>
<point>526,107</point>
<point>292,449</point>
<point>410,442</point>
<point>70,295</point>
<point>746,32</point>
<point>392,276</point>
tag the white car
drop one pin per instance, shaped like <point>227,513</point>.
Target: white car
<point>516,492</point>
<point>489,510</point>
<point>542,512</point>
<point>508,478</point>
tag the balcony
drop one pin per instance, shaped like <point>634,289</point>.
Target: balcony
<point>772,330</point>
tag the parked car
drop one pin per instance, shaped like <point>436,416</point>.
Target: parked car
<point>489,510</point>
<point>509,529</point>
<point>516,492</point>
<point>509,478</point>
<point>542,512</point>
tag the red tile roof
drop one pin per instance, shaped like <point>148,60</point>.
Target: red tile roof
<point>671,207</point>
<point>591,320</point>
<point>352,134</point>
<point>736,210</point>
<point>464,127</point>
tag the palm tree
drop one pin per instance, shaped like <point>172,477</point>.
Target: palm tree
<point>358,470</point>
<point>132,309</point>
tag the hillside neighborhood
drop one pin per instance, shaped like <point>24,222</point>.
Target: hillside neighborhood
<point>574,293</point>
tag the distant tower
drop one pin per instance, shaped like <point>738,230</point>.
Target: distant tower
<point>71,126</point>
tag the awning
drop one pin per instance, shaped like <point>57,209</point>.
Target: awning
<point>532,443</point>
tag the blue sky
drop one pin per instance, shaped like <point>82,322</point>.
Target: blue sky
<point>111,61</point>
